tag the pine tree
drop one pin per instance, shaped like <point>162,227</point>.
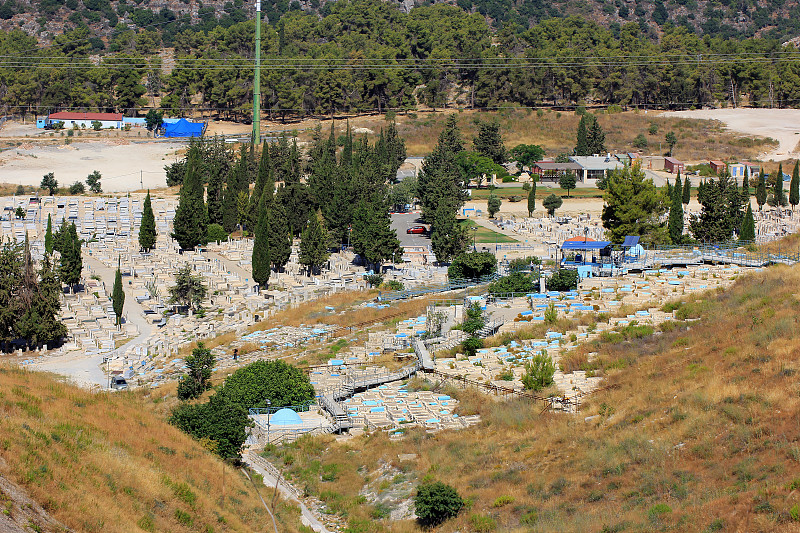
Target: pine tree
<point>236,184</point>
<point>794,186</point>
<point>761,191</point>
<point>48,236</point>
<point>147,228</point>
<point>748,230</point>
<point>189,224</point>
<point>373,237</point>
<point>532,198</point>
<point>489,142</point>
<point>780,198</point>
<point>280,242</point>
<point>71,261</point>
<point>48,306</point>
<point>596,138</point>
<point>582,138</point>
<point>260,263</point>
<point>675,221</point>
<point>215,193</point>
<point>118,295</point>
<point>314,244</point>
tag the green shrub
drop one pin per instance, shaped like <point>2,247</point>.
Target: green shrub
<point>374,280</point>
<point>482,523</point>
<point>550,314</point>
<point>436,502</point>
<point>517,282</point>
<point>563,280</point>
<point>530,518</point>
<point>394,285</point>
<point>146,523</point>
<point>502,501</point>
<point>471,345</point>
<point>539,372</point>
<point>216,233</point>
<point>472,265</point>
<point>659,509</point>
<point>183,517</point>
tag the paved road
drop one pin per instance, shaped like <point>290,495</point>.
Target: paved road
<point>401,222</point>
<point>84,369</point>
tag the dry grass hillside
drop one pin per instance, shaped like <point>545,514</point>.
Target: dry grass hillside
<point>696,429</point>
<point>107,462</point>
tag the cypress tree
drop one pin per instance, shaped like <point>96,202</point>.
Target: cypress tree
<point>532,198</point>
<point>794,186</point>
<point>71,261</point>
<point>264,176</point>
<point>280,243</point>
<point>314,244</point>
<point>188,226</point>
<point>761,191</point>
<point>147,228</point>
<point>236,183</point>
<point>48,236</point>
<point>746,185</point>
<point>214,192</point>
<point>118,295</point>
<point>780,198</point>
<point>260,263</point>
<point>748,231</point>
<point>596,138</point>
<point>47,305</point>
<point>687,191</point>
<point>675,222</point>
<point>678,187</point>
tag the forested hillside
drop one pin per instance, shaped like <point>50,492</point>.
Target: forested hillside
<point>367,55</point>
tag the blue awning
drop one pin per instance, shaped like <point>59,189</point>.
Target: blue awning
<point>585,245</point>
<point>630,241</point>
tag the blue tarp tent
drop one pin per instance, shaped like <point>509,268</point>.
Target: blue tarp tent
<point>184,128</point>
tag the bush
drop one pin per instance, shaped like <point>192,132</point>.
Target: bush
<point>550,314</point>
<point>526,186</point>
<point>216,233</point>
<point>539,372</point>
<point>518,282</point>
<point>563,280</point>
<point>640,141</point>
<point>394,285</point>
<point>482,523</point>
<point>374,280</point>
<point>659,509</point>
<point>551,203</point>
<point>472,265</point>
<point>436,502</point>
<point>77,187</point>
<point>471,345</point>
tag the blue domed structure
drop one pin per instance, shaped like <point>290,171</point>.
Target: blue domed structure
<point>285,417</point>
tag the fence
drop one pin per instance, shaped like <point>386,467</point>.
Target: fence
<point>451,285</point>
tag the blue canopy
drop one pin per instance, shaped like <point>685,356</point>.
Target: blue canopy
<point>630,241</point>
<point>584,245</point>
<point>184,128</point>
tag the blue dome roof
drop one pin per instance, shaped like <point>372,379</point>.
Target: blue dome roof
<point>285,417</point>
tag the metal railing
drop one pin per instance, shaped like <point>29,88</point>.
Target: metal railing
<point>451,285</point>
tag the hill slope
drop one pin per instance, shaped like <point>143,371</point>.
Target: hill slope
<point>107,462</point>
<point>772,18</point>
<point>697,429</point>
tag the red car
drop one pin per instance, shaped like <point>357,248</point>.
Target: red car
<point>419,230</point>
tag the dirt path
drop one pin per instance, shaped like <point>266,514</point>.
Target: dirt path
<point>780,124</point>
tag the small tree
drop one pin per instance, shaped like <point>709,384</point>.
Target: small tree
<point>147,227</point>
<point>761,191</point>
<point>49,242</point>
<point>474,320</point>
<point>794,186</point>
<point>563,280</point>
<point>189,290</point>
<point>567,182</point>
<point>19,213</point>
<point>472,265</point>
<point>748,231</point>
<point>671,140</point>
<point>551,203</point>
<point>539,372</point>
<point>436,502</point>
<point>77,188</point>
<point>97,125</point>
<point>118,296</point>
<point>93,181</point>
<point>493,204</point>
<point>197,379</point>
<point>778,194</point>
<point>640,141</point>
<point>153,120</point>
<point>687,191</point>
<point>314,244</point>
<point>49,182</point>
<point>532,199</point>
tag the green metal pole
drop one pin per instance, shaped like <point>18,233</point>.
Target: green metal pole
<point>257,80</point>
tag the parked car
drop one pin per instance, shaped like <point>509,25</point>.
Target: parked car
<point>118,383</point>
<point>418,230</point>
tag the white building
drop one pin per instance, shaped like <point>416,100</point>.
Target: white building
<point>85,120</point>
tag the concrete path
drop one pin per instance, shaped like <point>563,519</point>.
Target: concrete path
<point>86,370</point>
<point>307,517</point>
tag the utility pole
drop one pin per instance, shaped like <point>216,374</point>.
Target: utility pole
<point>257,80</point>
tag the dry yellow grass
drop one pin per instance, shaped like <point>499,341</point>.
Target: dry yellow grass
<point>107,462</point>
<point>695,429</point>
<point>698,140</point>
